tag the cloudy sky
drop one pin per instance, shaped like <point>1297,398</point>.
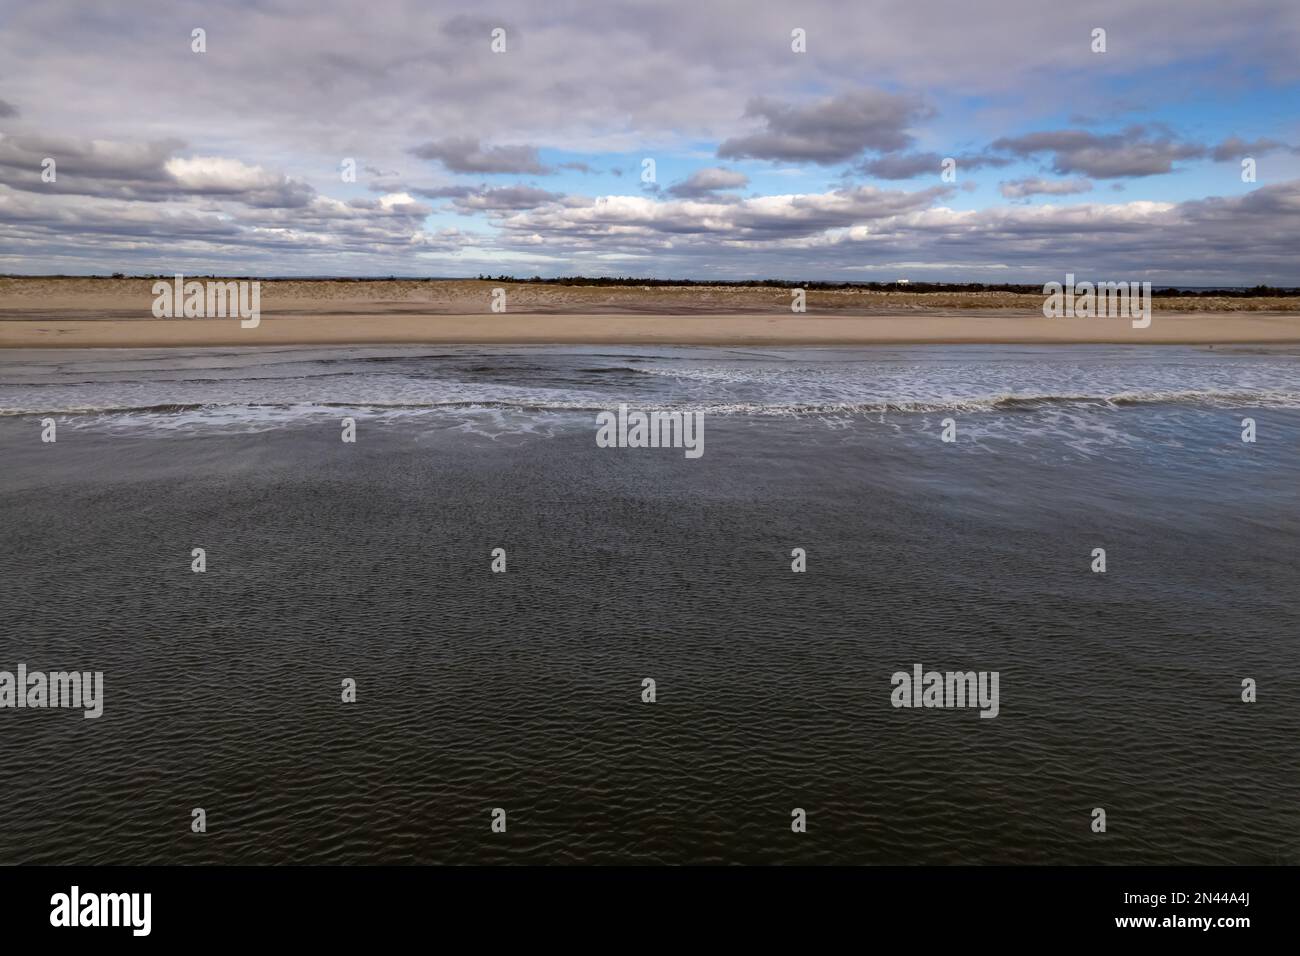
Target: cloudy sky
<point>673,138</point>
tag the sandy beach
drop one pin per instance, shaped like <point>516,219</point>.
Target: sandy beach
<point>70,312</point>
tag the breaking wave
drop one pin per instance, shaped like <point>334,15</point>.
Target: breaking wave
<point>1001,402</point>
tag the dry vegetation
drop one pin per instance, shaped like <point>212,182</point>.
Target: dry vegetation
<point>132,298</point>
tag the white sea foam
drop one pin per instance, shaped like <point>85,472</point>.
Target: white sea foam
<point>516,390</point>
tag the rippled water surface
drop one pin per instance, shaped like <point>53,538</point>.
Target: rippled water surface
<point>522,690</point>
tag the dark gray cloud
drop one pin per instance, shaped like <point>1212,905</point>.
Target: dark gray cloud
<point>7,109</point>
<point>902,165</point>
<point>443,192</point>
<point>465,155</point>
<point>1136,151</point>
<point>895,166</point>
<point>1139,150</point>
<point>707,182</point>
<point>1024,188</point>
<point>147,172</point>
<point>830,131</point>
<point>637,219</point>
<point>1236,148</point>
<point>129,170</point>
<point>505,198</point>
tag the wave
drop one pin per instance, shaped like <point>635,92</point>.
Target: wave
<point>1274,397</point>
<point>1010,402</point>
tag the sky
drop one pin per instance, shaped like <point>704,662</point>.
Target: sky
<point>703,139</point>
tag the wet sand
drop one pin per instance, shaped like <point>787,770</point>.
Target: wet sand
<point>614,329</point>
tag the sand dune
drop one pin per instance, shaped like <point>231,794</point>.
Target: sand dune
<point>117,313</point>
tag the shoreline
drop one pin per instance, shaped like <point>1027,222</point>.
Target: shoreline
<point>972,327</point>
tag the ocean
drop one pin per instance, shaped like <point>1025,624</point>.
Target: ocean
<point>371,561</point>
